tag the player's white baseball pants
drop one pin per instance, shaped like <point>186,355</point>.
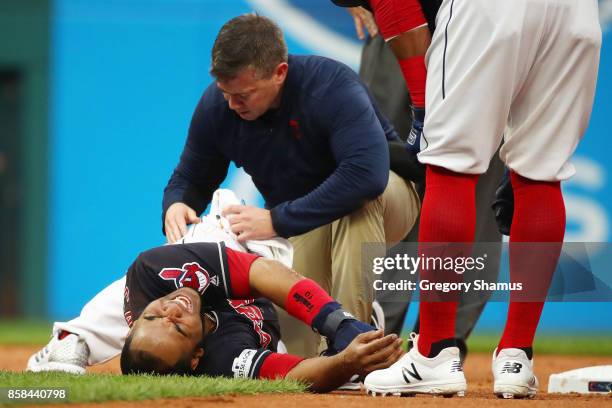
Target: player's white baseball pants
<point>524,70</point>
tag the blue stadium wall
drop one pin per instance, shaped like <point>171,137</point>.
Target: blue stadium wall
<point>125,77</point>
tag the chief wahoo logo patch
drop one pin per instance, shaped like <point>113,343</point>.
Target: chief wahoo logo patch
<point>191,275</point>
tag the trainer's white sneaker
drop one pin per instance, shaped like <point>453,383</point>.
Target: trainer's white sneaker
<point>68,355</point>
<point>513,374</point>
<point>417,374</point>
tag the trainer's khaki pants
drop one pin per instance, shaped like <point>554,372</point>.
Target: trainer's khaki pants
<point>331,256</point>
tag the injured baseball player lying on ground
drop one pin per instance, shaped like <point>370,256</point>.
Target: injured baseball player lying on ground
<point>201,308</point>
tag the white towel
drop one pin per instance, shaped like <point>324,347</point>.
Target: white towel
<point>215,228</point>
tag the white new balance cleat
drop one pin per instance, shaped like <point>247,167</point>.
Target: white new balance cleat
<point>68,355</point>
<point>513,374</point>
<point>417,374</point>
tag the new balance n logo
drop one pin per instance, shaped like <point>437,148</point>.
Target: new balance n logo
<point>414,373</point>
<point>456,366</point>
<point>511,368</point>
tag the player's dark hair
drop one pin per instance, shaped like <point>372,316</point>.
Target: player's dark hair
<point>143,362</point>
<point>246,41</point>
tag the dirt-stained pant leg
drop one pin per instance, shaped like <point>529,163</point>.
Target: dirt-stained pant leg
<point>331,255</point>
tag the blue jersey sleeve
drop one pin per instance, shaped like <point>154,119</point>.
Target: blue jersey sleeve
<point>359,146</point>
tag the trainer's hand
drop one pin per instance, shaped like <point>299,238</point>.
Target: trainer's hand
<point>371,351</point>
<point>178,216</point>
<point>363,18</point>
<point>249,222</point>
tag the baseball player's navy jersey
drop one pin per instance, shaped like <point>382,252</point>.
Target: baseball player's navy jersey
<point>247,331</point>
<point>159,271</point>
<point>317,158</point>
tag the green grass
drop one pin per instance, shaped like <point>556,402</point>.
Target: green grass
<point>25,332</point>
<point>106,387</point>
<point>99,387</point>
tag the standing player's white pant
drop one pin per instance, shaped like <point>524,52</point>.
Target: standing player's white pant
<point>524,70</point>
<point>101,322</point>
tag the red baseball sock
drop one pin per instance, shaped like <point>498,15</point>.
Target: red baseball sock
<point>448,215</point>
<point>415,74</point>
<point>539,216</point>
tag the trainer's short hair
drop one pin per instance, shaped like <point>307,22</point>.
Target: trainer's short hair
<point>246,41</point>
<point>143,362</point>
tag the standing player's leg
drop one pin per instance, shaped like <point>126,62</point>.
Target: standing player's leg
<point>472,303</point>
<point>448,215</point>
<point>467,109</point>
<point>462,132</point>
<point>539,217</point>
<point>548,118</point>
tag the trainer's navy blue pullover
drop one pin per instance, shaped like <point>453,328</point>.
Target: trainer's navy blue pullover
<point>321,155</point>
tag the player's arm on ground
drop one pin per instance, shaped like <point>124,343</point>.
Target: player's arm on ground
<point>367,352</point>
<point>302,298</point>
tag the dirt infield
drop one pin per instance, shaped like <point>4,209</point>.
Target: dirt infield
<point>477,370</point>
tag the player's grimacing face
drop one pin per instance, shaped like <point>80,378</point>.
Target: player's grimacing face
<point>250,95</point>
<point>170,327</point>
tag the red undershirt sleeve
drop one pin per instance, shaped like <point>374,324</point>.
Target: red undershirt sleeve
<point>277,365</point>
<point>239,265</point>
